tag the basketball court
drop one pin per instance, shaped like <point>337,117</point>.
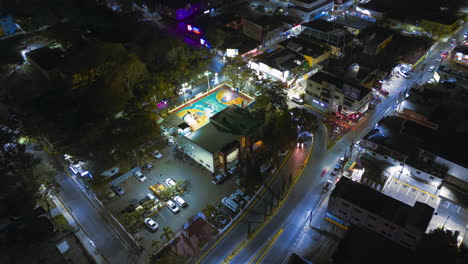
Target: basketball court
<point>196,114</point>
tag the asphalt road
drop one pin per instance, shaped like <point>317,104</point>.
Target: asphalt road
<point>272,244</point>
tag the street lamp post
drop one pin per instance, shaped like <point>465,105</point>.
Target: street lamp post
<point>207,74</point>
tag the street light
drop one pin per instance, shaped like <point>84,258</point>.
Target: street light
<point>207,74</point>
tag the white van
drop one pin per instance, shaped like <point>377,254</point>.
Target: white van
<point>231,204</point>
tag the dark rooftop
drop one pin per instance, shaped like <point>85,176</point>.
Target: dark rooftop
<point>46,57</point>
<point>375,35</point>
<point>405,137</point>
<point>325,26</point>
<point>377,6</point>
<point>345,87</point>
<point>267,21</point>
<point>441,18</point>
<point>385,206</point>
<point>235,120</point>
<point>306,47</point>
<point>211,138</point>
<point>281,59</point>
<point>312,8</point>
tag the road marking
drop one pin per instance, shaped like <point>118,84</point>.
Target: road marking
<point>296,178</point>
<point>267,247</point>
<point>245,213</point>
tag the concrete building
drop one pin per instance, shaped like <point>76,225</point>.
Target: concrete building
<point>308,10</point>
<point>278,64</point>
<point>333,94</point>
<point>220,143</point>
<point>358,205</point>
<point>335,35</point>
<point>375,40</point>
<point>405,141</point>
<point>373,9</point>
<point>270,30</point>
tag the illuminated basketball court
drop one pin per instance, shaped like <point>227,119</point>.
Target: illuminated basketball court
<point>197,113</point>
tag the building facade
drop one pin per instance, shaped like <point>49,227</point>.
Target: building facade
<point>332,94</point>
<point>358,205</point>
<point>307,10</point>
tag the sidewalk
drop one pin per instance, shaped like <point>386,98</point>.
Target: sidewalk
<point>87,243</point>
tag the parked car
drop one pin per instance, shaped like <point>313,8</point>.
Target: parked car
<point>151,224</point>
<point>337,167</point>
<point>231,204</point>
<point>140,176</point>
<point>384,92</point>
<point>218,178</point>
<point>431,69</point>
<point>233,169</point>
<point>110,193</point>
<point>172,206</point>
<point>297,100</point>
<point>156,154</point>
<point>265,167</point>
<point>170,140</point>
<point>180,201</point>
<point>119,190</point>
<point>170,182</point>
<point>282,153</point>
<point>327,186</point>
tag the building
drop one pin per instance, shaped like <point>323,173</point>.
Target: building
<point>406,141</point>
<point>372,10</point>
<point>375,40</point>
<point>219,144</point>
<point>460,55</point>
<point>278,64</point>
<point>335,35</point>
<point>270,30</point>
<point>308,10</point>
<point>358,205</point>
<point>313,51</point>
<point>439,26</point>
<point>333,94</point>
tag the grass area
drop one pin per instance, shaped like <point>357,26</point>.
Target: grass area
<point>61,223</point>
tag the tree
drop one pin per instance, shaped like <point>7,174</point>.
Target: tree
<point>131,220</point>
<point>45,184</point>
<point>167,233</point>
<point>156,244</point>
<point>439,246</point>
<point>210,211</point>
<point>304,119</point>
<point>181,186</point>
<point>273,97</point>
<point>237,72</point>
<point>131,73</point>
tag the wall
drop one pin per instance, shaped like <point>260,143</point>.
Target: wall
<point>360,217</point>
<point>429,178</point>
<point>198,154</point>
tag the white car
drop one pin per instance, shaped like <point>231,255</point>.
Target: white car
<point>265,166</point>
<point>156,154</point>
<point>140,176</point>
<point>110,193</point>
<point>151,224</point>
<point>170,182</point>
<point>172,206</point>
<point>180,201</point>
<point>431,69</point>
<point>297,100</point>
<point>170,140</point>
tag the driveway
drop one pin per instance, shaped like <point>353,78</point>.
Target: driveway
<point>200,192</point>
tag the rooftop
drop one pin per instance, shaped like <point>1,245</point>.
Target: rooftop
<point>46,57</point>
<point>353,22</point>
<point>319,4</point>
<point>385,206</point>
<point>306,47</point>
<point>377,6</point>
<point>375,35</point>
<point>441,18</point>
<point>345,87</point>
<point>210,138</point>
<point>326,26</point>
<point>281,59</point>
<point>235,120</point>
<point>271,22</point>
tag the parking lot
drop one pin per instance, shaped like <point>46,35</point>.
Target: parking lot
<point>200,192</point>
<point>409,194</point>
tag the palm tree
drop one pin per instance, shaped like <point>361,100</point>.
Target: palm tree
<point>167,233</point>
<point>210,211</point>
